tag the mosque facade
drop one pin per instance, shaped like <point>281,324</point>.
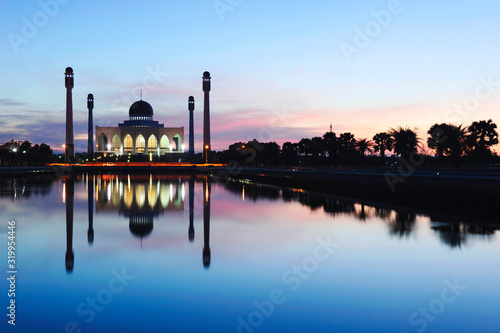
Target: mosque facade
<point>140,135</point>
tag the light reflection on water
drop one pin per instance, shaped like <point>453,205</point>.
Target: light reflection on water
<point>239,257</point>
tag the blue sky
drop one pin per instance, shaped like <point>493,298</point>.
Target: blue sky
<point>279,72</point>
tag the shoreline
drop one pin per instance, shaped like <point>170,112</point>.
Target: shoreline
<point>387,181</point>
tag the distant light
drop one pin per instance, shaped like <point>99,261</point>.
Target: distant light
<point>109,146</point>
<point>24,151</point>
<point>183,147</point>
<point>207,146</point>
<point>14,150</point>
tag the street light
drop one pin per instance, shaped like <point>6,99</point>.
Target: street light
<point>64,146</point>
<point>206,153</point>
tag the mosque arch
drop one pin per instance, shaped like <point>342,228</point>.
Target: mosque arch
<point>164,142</point>
<point>177,142</point>
<point>128,144</point>
<point>140,144</point>
<point>152,144</point>
<point>102,142</point>
<point>115,143</point>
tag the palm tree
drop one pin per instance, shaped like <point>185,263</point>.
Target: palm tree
<point>383,142</point>
<point>448,140</point>
<point>482,135</point>
<point>438,138</point>
<point>364,146</point>
<point>457,136</point>
<point>405,141</point>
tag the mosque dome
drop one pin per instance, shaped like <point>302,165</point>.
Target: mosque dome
<point>141,225</point>
<point>140,108</point>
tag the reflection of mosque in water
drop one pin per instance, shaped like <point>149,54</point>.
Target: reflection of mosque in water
<point>140,199</point>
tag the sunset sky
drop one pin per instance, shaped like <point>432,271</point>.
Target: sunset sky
<point>281,70</point>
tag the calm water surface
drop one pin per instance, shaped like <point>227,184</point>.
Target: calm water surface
<point>158,253</point>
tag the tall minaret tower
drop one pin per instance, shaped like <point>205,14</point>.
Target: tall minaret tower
<point>191,127</point>
<point>70,146</point>
<point>206,116</point>
<point>90,106</point>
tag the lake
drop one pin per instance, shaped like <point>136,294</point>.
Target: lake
<point>181,253</point>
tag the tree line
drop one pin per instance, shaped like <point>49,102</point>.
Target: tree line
<point>24,153</point>
<point>450,143</point>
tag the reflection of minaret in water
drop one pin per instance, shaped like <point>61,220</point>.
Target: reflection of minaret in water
<point>191,209</point>
<point>90,185</point>
<point>206,223</point>
<point>70,198</point>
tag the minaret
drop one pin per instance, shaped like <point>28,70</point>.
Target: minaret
<point>206,117</point>
<point>70,146</point>
<point>70,199</point>
<point>206,223</point>
<point>90,106</point>
<point>191,127</point>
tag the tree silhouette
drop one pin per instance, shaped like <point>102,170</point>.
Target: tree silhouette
<point>438,135</point>
<point>331,146</point>
<point>317,148</point>
<point>482,135</point>
<point>289,153</point>
<point>447,139</point>
<point>383,142</point>
<point>305,148</point>
<point>364,146</point>
<point>405,141</point>
<point>347,145</point>
<point>457,136</point>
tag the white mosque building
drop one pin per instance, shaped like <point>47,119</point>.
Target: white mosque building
<point>140,135</point>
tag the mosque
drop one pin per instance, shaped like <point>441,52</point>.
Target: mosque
<point>140,135</point>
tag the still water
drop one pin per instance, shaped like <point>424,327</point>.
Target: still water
<point>163,253</point>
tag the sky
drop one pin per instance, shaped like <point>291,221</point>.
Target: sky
<point>281,70</point>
